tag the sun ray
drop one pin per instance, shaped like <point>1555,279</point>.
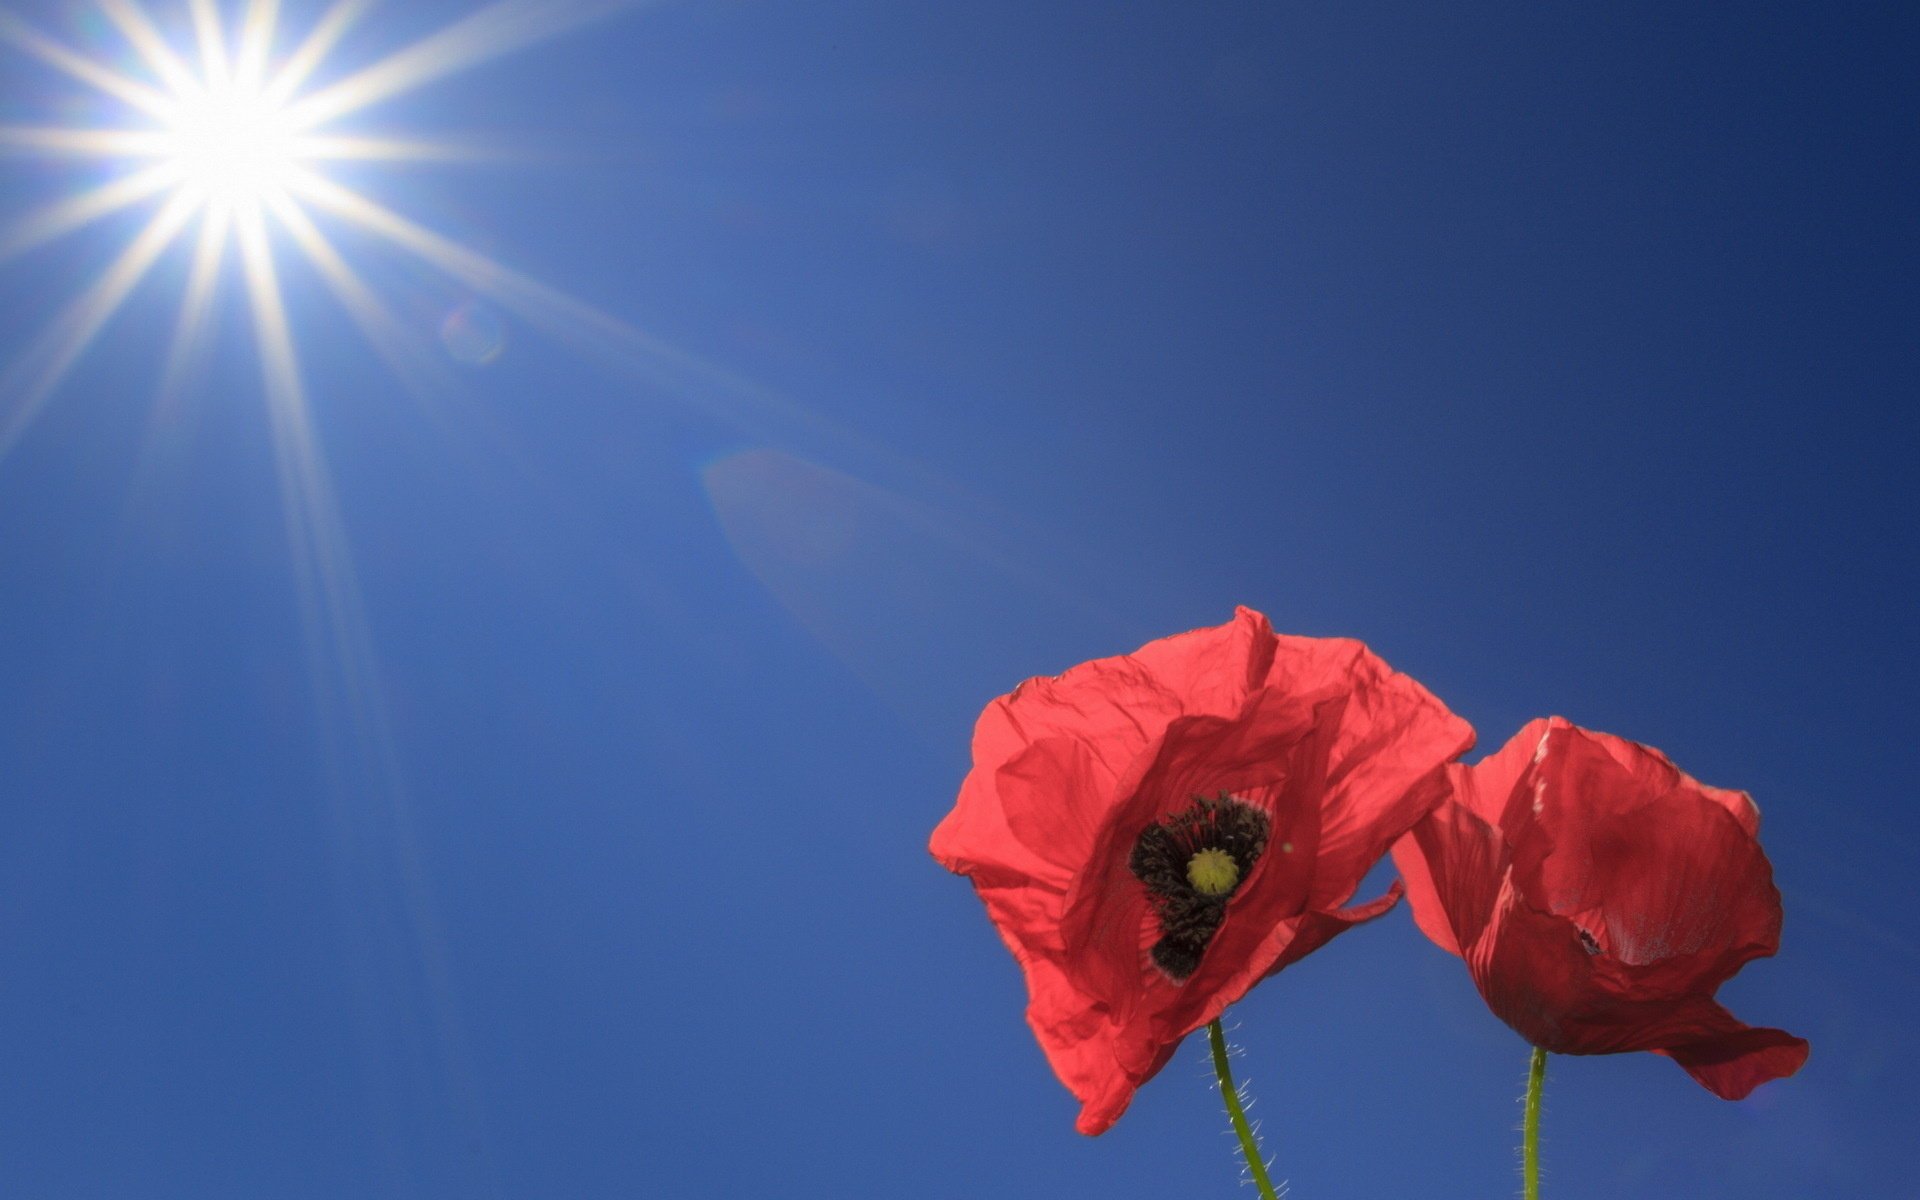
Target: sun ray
<point>82,143</point>
<point>196,304</point>
<point>134,25</point>
<point>303,472</point>
<point>375,320</point>
<point>325,34</point>
<point>212,41</point>
<point>256,42</point>
<point>319,544</point>
<point>501,27</point>
<point>82,68</point>
<point>64,216</point>
<point>43,366</point>
<point>539,304</point>
<point>342,146</point>
<point>323,568</point>
<point>575,322</point>
<point>344,668</point>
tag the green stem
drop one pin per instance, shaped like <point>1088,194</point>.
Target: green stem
<point>1530,1136</point>
<point>1249,1147</point>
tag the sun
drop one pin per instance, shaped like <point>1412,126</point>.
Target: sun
<point>232,145</point>
<point>224,124</point>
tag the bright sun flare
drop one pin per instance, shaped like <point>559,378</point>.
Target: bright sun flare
<point>225,132</point>
<point>232,146</point>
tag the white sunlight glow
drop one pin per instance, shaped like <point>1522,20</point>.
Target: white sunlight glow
<point>223,130</point>
<point>231,145</point>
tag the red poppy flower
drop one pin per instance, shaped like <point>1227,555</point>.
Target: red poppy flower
<point>1154,834</point>
<point>1599,896</point>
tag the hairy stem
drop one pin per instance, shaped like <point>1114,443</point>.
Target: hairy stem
<point>1530,1135</point>
<point>1249,1147</point>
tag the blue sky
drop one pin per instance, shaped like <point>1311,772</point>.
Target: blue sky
<point>573,842</point>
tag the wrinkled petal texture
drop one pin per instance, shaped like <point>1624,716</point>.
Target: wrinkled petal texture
<point>1342,753</point>
<point>1600,896</point>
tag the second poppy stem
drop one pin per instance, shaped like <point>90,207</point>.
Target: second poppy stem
<point>1530,1135</point>
<point>1249,1145</point>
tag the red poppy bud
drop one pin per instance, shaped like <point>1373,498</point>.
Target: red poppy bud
<point>1154,834</point>
<point>1599,897</point>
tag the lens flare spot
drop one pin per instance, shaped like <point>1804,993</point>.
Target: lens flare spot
<point>473,334</point>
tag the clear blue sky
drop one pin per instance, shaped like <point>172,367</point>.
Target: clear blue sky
<point>1563,352</point>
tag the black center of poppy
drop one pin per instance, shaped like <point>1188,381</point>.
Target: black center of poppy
<point>1192,863</point>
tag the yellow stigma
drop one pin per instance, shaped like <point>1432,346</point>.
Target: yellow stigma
<point>1213,872</point>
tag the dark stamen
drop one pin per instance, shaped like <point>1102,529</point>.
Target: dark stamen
<point>1160,860</point>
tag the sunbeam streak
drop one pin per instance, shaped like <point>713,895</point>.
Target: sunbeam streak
<point>501,27</point>
<point>37,374</point>
<point>256,35</point>
<point>212,40</point>
<point>113,83</point>
<point>320,42</point>
<point>376,321</point>
<point>132,22</point>
<point>190,327</point>
<point>85,143</point>
<point>724,394</point>
<point>74,212</point>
